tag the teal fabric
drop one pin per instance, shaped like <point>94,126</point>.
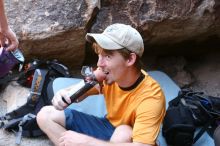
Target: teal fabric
<point>95,105</point>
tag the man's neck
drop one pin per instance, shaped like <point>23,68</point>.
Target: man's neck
<point>129,79</point>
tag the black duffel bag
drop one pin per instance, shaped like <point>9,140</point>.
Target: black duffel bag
<point>185,113</point>
<point>178,127</point>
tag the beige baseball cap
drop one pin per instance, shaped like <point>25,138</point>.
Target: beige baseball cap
<point>118,36</point>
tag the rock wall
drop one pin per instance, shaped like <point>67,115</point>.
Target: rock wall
<point>164,24</point>
<point>56,29</point>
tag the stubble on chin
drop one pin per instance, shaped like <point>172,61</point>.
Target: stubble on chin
<point>108,82</point>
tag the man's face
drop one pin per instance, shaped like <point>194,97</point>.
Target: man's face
<point>113,65</point>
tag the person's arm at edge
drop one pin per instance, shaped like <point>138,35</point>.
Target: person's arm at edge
<point>3,18</point>
<point>5,30</point>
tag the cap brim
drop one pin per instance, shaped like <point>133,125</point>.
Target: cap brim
<point>104,41</point>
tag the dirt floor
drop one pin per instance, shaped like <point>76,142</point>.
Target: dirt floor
<point>201,73</point>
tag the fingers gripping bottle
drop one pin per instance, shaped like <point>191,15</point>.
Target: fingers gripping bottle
<point>84,85</point>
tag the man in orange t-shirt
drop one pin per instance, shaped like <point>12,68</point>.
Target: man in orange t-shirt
<point>135,102</point>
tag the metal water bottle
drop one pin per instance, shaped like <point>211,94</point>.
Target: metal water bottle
<point>83,86</point>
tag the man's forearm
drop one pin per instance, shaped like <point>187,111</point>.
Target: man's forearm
<point>3,18</point>
<point>72,138</point>
<point>96,142</point>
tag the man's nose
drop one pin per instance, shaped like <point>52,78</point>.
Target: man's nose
<point>100,62</point>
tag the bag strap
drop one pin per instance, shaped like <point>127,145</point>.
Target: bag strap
<point>23,121</point>
<point>59,68</point>
<point>202,131</point>
<point>37,86</point>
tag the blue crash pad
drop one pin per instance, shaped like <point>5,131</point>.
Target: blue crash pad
<point>95,104</point>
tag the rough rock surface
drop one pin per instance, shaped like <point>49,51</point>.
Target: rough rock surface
<point>57,29</point>
<point>54,29</point>
<point>164,23</point>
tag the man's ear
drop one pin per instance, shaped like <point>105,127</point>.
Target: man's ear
<point>131,60</point>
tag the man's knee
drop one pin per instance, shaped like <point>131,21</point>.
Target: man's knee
<point>44,115</point>
<point>122,133</point>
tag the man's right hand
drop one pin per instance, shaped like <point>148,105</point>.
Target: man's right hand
<point>58,102</point>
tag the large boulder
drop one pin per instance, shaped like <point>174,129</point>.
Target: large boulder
<point>56,29</point>
<point>165,24</point>
<point>51,29</point>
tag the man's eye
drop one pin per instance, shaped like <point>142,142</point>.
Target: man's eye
<point>108,56</point>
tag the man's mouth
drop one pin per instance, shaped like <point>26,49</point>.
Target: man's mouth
<point>105,72</point>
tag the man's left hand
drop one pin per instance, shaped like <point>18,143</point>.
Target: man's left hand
<point>72,138</point>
